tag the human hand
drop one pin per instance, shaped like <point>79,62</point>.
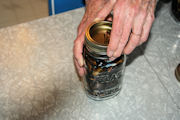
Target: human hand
<point>95,10</point>
<point>132,21</point>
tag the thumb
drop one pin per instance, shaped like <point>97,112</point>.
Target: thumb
<point>78,49</point>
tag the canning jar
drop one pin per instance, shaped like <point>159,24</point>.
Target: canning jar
<point>103,77</point>
<point>175,7</point>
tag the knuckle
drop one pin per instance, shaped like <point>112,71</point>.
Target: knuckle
<point>123,43</point>
<point>112,1</point>
<point>144,39</point>
<point>79,28</point>
<point>112,47</point>
<point>75,52</point>
<point>143,13</point>
<point>134,9</point>
<point>152,17</point>
<point>76,41</point>
<point>76,56</point>
<point>134,42</point>
<point>130,14</point>
<point>117,11</point>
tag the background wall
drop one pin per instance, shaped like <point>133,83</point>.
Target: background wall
<point>18,11</point>
<point>65,5</point>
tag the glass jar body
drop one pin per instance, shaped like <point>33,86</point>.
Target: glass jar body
<point>103,78</point>
<point>176,10</point>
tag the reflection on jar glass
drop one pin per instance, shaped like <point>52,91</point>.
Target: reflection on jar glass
<point>103,78</point>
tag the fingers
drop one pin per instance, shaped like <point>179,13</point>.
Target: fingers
<point>78,58</point>
<point>137,27</point>
<point>80,70</point>
<point>148,24</point>
<point>117,27</point>
<point>139,19</point>
<point>78,49</point>
<point>90,15</point>
<point>103,13</point>
<point>146,28</point>
<point>81,26</point>
<point>125,35</point>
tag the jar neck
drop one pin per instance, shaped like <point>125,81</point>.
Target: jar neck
<point>95,48</point>
<point>95,54</point>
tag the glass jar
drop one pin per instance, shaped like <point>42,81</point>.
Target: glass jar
<point>103,78</point>
<point>176,10</point>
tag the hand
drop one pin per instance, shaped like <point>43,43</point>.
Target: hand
<point>132,21</point>
<point>95,10</point>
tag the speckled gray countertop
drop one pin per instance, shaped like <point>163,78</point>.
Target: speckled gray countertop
<point>38,79</point>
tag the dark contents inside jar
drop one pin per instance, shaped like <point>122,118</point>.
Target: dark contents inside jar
<point>176,9</point>
<point>103,76</point>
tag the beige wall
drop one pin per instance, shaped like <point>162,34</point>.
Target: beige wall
<point>17,11</point>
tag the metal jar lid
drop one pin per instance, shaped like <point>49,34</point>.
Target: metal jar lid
<point>97,37</point>
<point>177,72</point>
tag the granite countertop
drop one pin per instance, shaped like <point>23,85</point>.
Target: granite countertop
<point>38,80</point>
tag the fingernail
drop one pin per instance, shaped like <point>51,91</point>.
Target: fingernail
<point>112,58</point>
<point>140,43</point>
<point>97,19</point>
<point>80,62</point>
<point>110,53</point>
<point>115,53</point>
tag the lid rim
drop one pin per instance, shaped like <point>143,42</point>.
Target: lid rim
<point>91,43</point>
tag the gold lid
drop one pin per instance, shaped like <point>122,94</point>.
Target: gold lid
<point>98,36</point>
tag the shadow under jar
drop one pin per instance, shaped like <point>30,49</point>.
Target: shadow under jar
<point>103,78</point>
